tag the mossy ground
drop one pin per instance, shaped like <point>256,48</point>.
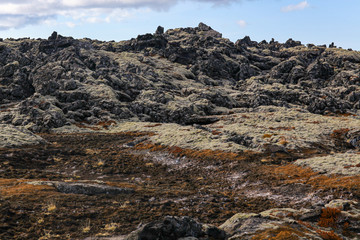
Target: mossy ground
<point>209,185</point>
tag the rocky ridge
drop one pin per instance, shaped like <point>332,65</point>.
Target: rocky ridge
<point>175,76</point>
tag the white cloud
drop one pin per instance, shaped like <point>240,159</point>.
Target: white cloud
<point>70,24</point>
<point>19,13</point>
<point>297,7</point>
<point>242,23</point>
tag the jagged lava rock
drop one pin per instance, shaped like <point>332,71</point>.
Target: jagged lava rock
<point>169,76</point>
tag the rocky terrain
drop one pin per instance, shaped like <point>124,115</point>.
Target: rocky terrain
<point>180,134</point>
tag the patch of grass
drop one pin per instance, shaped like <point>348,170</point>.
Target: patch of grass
<point>48,235</point>
<point>111,227</point>
<point>100,163</point>
<point>51,206</point>
<point>40,220</point>
<point>87,227</point>
<point>89,151</point>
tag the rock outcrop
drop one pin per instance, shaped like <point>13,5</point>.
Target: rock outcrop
<point>277,223</point>
<point>171,76</point>
<point>11,136</point>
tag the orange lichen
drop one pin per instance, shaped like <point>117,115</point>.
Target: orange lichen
<point>329,217</point>
<point>27,189</point>
<point>8,182</point>
<point>205,154</point>
<point>283,141</point>
<point>284,235</point>
<point>346,226</point>
<point>153,125</point>
<point>149,146</point>
<point>313,122</point>
<point>292,173</point>
<point>328,235</point>
<point>106,124</point>
<point>266,135</point>
<point>306,224</point>
<point>281,233</point>
<point>338,133</point>
<point>214,132</point>
<point>346,114</point>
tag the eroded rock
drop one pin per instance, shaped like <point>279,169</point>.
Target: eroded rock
<point>171,228</point>
<point>170,76</point>
<point>11,136</point>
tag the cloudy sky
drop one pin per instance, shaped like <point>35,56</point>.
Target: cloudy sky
<point>311,21</point>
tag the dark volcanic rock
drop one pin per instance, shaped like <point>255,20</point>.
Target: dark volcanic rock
<point>172,76</point>
<point>89,189</point>
<point>171,228</point>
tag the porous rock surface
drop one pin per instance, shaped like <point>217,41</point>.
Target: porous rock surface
<point>176,76</point>
<point>11,136</point>
<point>83,188</point>
<point>246,226</point>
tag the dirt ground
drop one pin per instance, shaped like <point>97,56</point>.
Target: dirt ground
<point>209,186</point>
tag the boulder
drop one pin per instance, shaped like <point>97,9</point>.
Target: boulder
<point>11,136</point>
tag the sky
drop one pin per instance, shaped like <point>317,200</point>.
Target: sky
<point>311,21</point>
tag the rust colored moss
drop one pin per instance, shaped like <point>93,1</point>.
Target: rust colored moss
<point>266,135</point>
<point>283,141</point>
<point>205,154</point>
<point>328,235</point>
<point>314,122</point>
<point>338,133</point>
<point>292,173</point>
<point>329,217</point>
<point>154,125</point>
<point>281,233</point>
<point>306,224</point>
<point>106,124</point>
<point>27,189</point>
<point>81,125</point>
<point>214,132</point>
<point>149,146</point>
